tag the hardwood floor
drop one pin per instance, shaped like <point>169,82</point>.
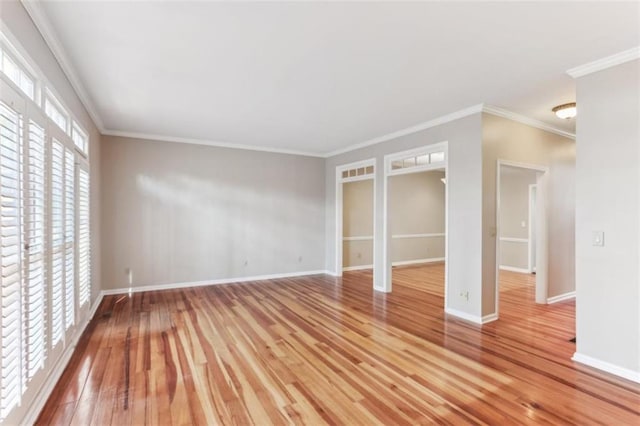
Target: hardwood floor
<point>318,350</point>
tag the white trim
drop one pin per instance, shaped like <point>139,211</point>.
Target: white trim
<point>219,144</point>
<point>514,269</point>
<point>39,17</point>
<point>514,240</point>
<point>187,284</point>
<point>604,63</point>
<point>409,130</point>
<point>500,112</point>
<point>490,318</point>
<point>418,235</point>
<point>55,373</point>
<point>463,315</point>
<point>471,318</point>
<point>562,297</point>
<point>417,261</point>
<point>364,238</point>
<point>607,367</point>
<point>533,189</point>
<point>357,267</point>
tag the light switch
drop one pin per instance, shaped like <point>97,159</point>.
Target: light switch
<point>598,238</point>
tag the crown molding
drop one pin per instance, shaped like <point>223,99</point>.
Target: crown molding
<point>193,141</point>
<point>42,23</point>
<point>509,115</point>
<point>604,63</point>
<point>409,130</point>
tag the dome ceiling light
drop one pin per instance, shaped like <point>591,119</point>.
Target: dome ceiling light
<point>566,111</point>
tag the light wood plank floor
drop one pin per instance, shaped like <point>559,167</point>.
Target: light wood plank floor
<point>320,350</point>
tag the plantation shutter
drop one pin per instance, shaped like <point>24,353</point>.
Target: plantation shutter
<point>57,242</point>
<point>10,258</point>
<point>35,247</point>
<point>69,235</point>
<point>84,247</point>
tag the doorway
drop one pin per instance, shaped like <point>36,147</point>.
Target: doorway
<point>355,230</point>
<point>521,227</point>
<point>433,242</point>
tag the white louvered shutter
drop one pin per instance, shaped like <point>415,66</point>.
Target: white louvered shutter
<point>35,247</point>
<point>84,243</point>
<point>69,237</point>
<point>57,242</point>
<point>11,259</point>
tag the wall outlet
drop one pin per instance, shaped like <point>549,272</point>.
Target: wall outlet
<point>523,224</point>
<point>299,258</point>
<point>246,262</point>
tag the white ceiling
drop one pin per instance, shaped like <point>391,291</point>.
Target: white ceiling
<point>318,77</point>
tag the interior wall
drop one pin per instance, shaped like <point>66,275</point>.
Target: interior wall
<point>509,140</point>
<point>608,200</point>
<point>514,212</point>
<point>182,213</point>
<point>19,23</point>
<point>357,221</point>
<point>417,206</point>
<point>464,177</point>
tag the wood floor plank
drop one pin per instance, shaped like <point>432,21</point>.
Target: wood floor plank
<point>322,350</point>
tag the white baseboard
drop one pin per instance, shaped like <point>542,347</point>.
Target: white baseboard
<point>489,318</point>
<point>514,269</point>
<point>472,318</point>
<point>56,372</point>
<point>561,297</point>
<point>357,268</point>
<point>463,315</point>
<point>625,373</point>
<point>417,261</point>
<point>173,286</point>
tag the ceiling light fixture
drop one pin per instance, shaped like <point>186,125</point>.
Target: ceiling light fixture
<point>565,111</point>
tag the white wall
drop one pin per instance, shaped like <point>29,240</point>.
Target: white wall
<point>464,177</point>
<point>509,140</point>
<point>177,213</point>
<point>608,199</point>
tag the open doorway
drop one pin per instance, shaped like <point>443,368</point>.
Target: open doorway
<point>355,216</point>
<point>424,240</point>
<point>417,207</point>
<point>521,249</point>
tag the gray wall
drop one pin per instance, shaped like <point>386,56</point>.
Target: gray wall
<point>465,203</point>
<point>608,199</point>
<point>514,209</point>
<point>508,140</point>
<point>357,221</point>
<point>177,213</point>
<point>417,206</point>
<point>19,23</point>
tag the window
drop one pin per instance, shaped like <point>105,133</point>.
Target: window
<point>419,160</point>
<point>17,74</point>
<point>11,259</point>
<point>55,112</point>
<point>357,172</point>
<point>84,248</point>
<point>45,281</point>
<point>79,138</point>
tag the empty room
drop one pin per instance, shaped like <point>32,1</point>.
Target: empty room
<point>358,213</point>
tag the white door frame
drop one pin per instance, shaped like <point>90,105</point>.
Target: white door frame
<point>340,208</point>
<point>386,234</point>
<point>532,216</point>
<point>542,250</point>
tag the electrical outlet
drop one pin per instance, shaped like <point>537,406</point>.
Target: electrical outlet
<point>465,295</point>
